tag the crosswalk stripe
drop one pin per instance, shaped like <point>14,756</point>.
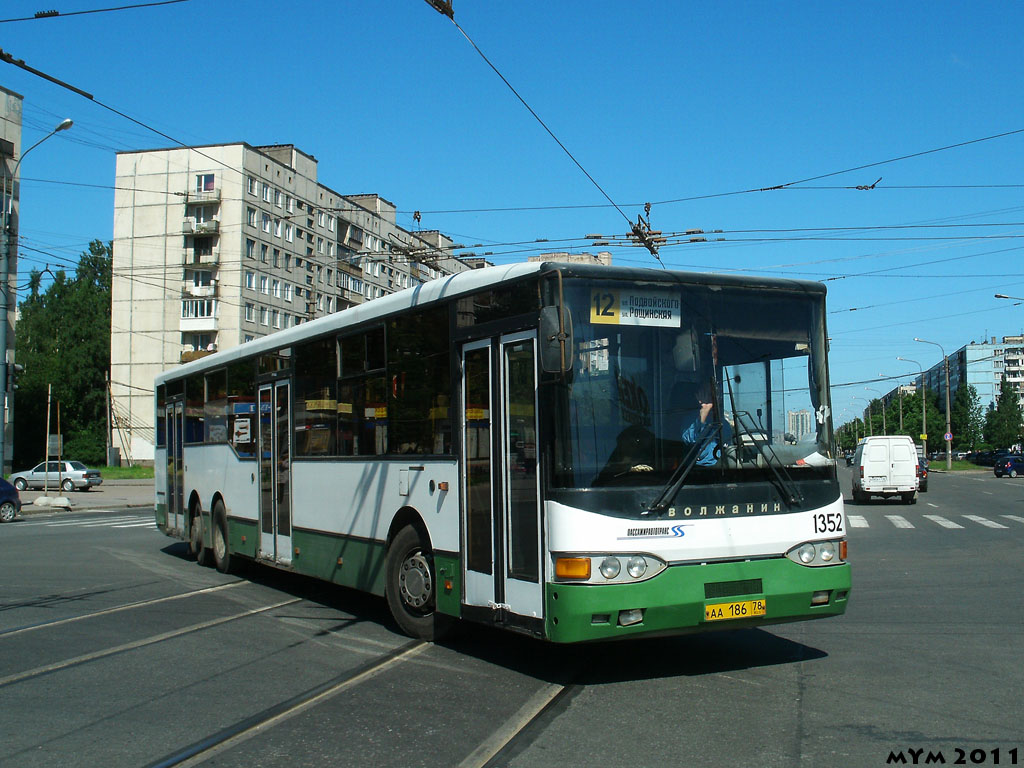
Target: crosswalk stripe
<point>1016,518</point>
<point>942,521</point>
<point>147,524</point>
<point>857,521</point>
<point>985,521</point>
<point>91,521</point>
<point>899,522</point>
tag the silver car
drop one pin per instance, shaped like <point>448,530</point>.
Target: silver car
<point>65,475</point>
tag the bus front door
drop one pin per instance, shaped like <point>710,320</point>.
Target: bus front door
<point>175,431</point>
<point>501,527</point>
<point>275,473</point>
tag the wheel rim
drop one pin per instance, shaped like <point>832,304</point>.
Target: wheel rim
<point>20,484</point>
<point>219,546</point>
<point>195,535</point>
<point>414,581</point>
<point>6,512</point>
<point>68,485</point>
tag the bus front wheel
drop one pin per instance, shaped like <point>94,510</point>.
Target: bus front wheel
<point>411,587</point>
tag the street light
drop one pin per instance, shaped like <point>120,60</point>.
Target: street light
<point>949,434</point>
<point>5,268</point>
<point>868,409</point>
<point>924,412</point>
<point>1004,296</point>
<point>899,398</point>
<point>882,402</point>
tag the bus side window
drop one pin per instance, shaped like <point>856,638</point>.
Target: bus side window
<point>241,406</point>
<point>195,405</point>
<point>216,410</point>
<point>362,395</point>
<point>419,378</point>
<point>316,399</point>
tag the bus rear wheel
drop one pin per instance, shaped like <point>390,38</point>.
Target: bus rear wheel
<point>221,553</point>
<point>196,546</point>
<point>411,587</point>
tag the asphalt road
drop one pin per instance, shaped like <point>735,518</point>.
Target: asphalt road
<point>115,650</point>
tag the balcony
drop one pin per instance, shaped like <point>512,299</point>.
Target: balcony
<point>190,257</point>
<point>188,354</point>
<point>207,196</point>
<point>199,291</point>
<point>192,227</point>
<point>198,324</point>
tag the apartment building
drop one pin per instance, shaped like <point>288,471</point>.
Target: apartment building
<point>10,152</point>
<point>218,245</point>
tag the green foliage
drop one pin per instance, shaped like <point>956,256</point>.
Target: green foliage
<point>968,418</point>
<point>1003,423</point>
<point>63,340</point>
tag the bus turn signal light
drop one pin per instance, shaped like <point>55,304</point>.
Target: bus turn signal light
<point>572,567</point>
<point>842,549</point>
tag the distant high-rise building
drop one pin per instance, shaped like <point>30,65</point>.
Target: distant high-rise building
<point>218,245</point>
<point>799,423</point>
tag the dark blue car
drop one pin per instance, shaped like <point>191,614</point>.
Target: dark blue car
<point>1009,465</point>
<point>10,502</point>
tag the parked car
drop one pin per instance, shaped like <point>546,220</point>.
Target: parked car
<point>1009,465</point>
<point>10,502</point>
<point>922,474</point>
<point>66,475</point>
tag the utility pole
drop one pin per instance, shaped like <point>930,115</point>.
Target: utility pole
<point>10,237</point>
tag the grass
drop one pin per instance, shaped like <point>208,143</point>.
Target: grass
<point>127,473</point>
<point>939,465</point>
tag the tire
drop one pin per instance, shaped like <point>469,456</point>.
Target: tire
<point>910,498</point>
<point>7,512</point>
<point>20,484</point>
<point>68,485</point>
<point>411,587</point>
<point>860,497</point>
<point>221,552</point>
<point>197,548</point>
<point>1013,473</point>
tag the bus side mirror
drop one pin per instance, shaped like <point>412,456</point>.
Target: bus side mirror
<point>555,340</point>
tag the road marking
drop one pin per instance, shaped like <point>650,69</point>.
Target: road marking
<point>985,521</point>
<point>1017,518</point>
<point>942,521</point>
<point>936,506</point>
<point>88,521</point>
<point>857,521</point>
<point>146,524</point>
<point>900,522</point>
<point>989,493</point>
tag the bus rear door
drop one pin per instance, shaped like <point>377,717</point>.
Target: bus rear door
<point>501,527</point>
<point>275,472</point>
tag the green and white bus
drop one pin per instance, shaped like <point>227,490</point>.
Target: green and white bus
<point>506,446</point>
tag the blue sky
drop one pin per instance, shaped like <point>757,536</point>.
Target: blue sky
<point>664,102</point>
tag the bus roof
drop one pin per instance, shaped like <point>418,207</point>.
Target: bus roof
<point>469,282</point>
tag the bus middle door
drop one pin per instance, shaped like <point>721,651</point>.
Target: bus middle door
<point>501,531</point>
<point>275,472</point>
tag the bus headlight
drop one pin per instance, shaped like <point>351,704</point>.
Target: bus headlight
<point>818,553</point>
<point>637,566</point>
<point>606,568</point>
<point>610,567</point>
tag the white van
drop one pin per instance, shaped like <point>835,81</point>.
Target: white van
<point>885,465</point>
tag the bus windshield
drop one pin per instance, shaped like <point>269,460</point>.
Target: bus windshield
<point>691,385</point>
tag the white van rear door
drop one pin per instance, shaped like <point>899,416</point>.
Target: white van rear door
<point>876,462</point>
<point>904,464</point>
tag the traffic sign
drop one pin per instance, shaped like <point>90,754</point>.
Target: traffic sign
<point>924,435</point>
<point>948,436</point>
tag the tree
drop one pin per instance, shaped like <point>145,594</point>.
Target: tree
<point>63,340</point>
<point>967,417</point>
<point>1003,423</point>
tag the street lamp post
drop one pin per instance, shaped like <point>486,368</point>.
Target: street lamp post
<point>949,442</point>
<point>5,267</point>
<point>924,412</point>
<point>868,420</point>
<point>882,403</point>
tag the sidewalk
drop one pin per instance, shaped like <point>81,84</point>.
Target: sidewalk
<point>113,493</point>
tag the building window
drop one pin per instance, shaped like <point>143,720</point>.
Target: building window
<point>288,233</point>
<point>266,222</point>
<point>266,192</point>
<point>275,288</point>
<point>250,315</point>
<point>330,274</point>
<point>277,227</point>
<point>275,318</point>
<point>287,291</point>
<point>330,223</point>
<point>289,203</point>
<point>330,304</point>
<point>251,184</point>
<point>264,249</point>
<point>250,217</point>
<point>196,308</point>
<point>203,246</point>
<point>319,218</point>
<point>263,284</point>
<point>287,262</point>
<point>277,197</point>
<point>249,337</point>
<point>250,248</point>
<point>277,257</point>
<point>204,182</point>
<point>250,280</point>
<point>319,245</point>
<point>263,315</point>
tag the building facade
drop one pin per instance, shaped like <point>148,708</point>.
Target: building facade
<point>10,152</point>
<point>218,245</point>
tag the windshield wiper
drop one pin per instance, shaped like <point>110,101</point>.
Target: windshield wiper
<point>668,493</point>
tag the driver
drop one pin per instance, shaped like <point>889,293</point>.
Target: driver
<point>707,431</point>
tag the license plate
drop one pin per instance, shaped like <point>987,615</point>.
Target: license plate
<point>741,610</point>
